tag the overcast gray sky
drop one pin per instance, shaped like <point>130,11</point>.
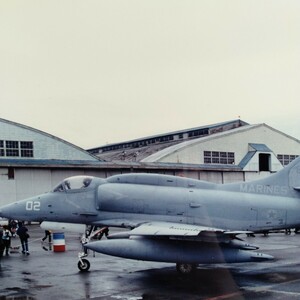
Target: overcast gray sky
<point>97,72</point>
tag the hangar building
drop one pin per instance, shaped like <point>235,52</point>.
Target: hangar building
<point>33,162</point>
<point>257,150</point>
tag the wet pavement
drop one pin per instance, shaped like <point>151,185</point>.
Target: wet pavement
<point>45,274</point>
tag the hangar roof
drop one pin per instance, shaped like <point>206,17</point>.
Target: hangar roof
<point>158,155</point>
<point>140,149</point>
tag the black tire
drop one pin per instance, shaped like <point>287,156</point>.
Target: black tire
<point>84,266</point>
<point>185,269</point>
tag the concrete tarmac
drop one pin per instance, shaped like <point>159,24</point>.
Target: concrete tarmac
<point>46,274</point>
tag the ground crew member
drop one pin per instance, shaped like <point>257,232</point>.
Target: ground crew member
<point>6,239</point>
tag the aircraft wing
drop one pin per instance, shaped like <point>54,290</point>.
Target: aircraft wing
<point>183,232</point>
<point>171,229</point>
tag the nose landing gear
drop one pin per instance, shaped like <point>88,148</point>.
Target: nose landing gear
<point>83,264</point>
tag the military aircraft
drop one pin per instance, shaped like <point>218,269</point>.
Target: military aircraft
<point>171,219</point>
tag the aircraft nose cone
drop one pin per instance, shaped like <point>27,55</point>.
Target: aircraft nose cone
<point>2,213</point>
<point>5,211</point>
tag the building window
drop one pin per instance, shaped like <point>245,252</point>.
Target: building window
<point>216,157</point>
<point>12,152</point>
<point>285,159</point>
<point>12,148</point>
<point>26,149</point>
<point>12,144</point>
<point>2,152</point>
<point>198,132</point>
<point>16,148</point>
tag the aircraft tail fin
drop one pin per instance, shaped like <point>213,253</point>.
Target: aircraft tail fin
<point>285,181</point>
<point>289,176</point>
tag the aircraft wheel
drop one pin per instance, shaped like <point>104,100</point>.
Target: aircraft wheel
<point>185,269</point>
<point>84,266</point>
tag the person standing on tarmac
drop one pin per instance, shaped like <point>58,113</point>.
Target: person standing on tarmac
<point>47,235</point>
<point>6,239</point>
<point>22,232</point>
<point>2,247</point>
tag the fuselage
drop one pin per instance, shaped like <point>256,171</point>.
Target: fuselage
<point>128,200</point>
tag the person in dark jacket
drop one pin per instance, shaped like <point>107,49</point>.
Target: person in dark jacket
<point>2,246</point>
<point>22,232</point>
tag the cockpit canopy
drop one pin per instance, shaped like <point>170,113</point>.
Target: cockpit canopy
<point>74,183</point>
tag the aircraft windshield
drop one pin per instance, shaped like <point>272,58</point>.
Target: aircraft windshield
<point>74,183</point>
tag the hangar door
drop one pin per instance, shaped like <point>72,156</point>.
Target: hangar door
<point>264,162</point>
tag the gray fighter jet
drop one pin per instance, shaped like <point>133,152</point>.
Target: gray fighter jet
<point>171,219</point>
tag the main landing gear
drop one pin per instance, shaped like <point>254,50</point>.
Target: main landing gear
<point>83,264</point>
